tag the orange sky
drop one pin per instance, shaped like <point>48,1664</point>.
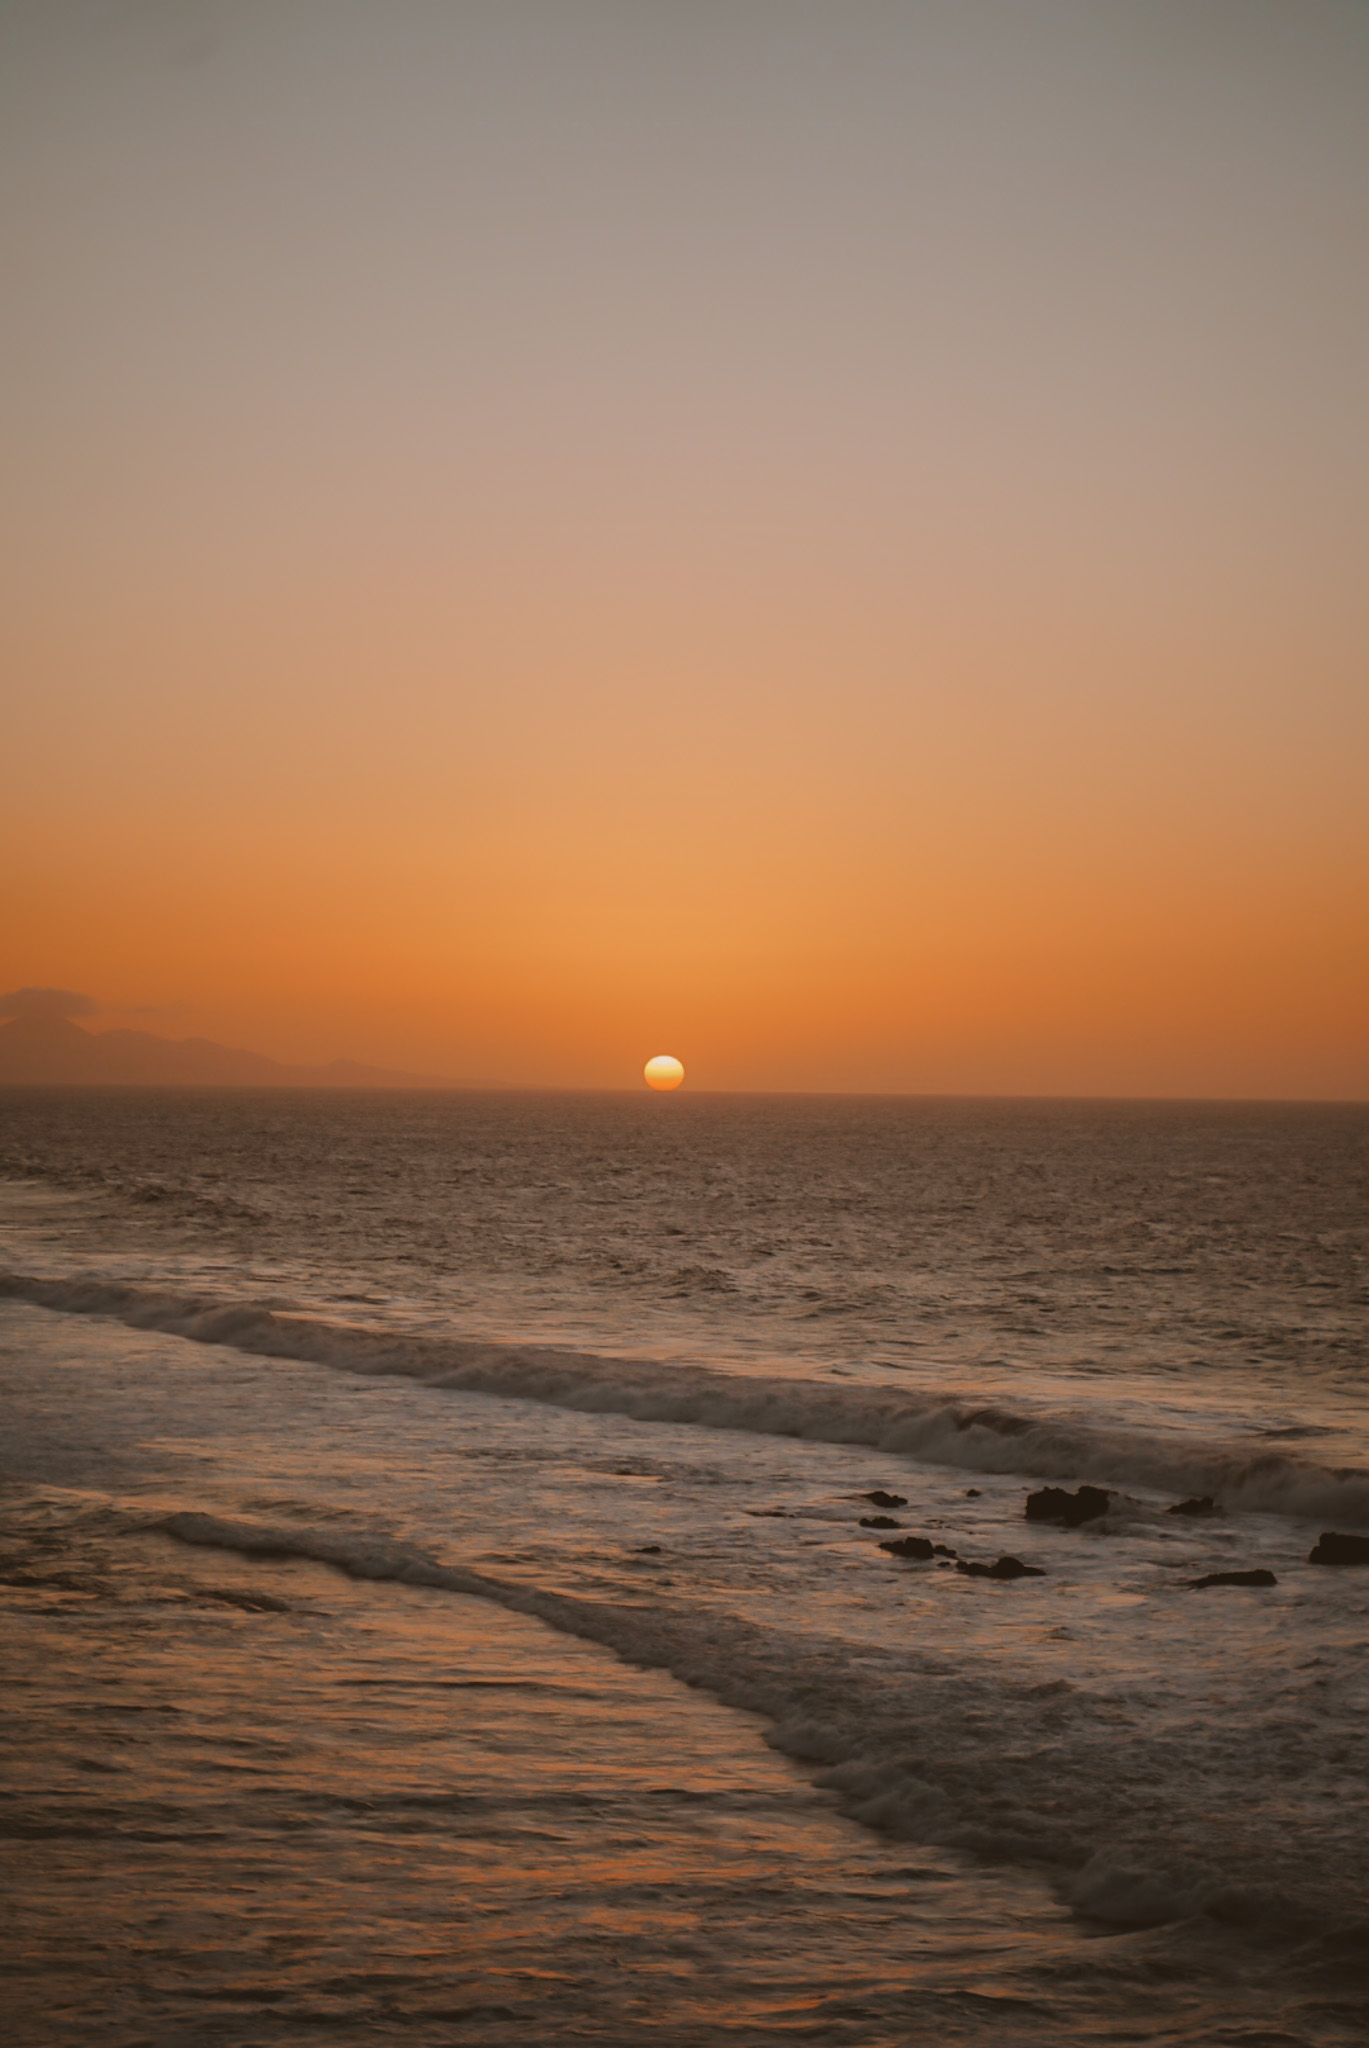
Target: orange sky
<point>828,542</point>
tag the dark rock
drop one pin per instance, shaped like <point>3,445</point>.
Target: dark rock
<point>648,1550</point>
<point>972,1493</point>
<point>1330,1548</point>
<point>1005,1568</point>
<point>880,1499</point>
<point>1053,1504</point>
<point>1255,1578</point>
<point>909,1546</point>
<point>943,1551</point>
<point>879,1522</point>
<point>1204,1504</point>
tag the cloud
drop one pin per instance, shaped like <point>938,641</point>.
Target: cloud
<point>46,1002</point>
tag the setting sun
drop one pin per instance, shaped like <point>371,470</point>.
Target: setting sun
<point>836,532</point>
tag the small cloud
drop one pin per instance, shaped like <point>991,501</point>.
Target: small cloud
<point>46,1002</point>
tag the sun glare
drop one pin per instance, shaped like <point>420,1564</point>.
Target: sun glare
<point>663,1071</point>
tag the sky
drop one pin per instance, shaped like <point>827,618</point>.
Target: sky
<point>824,539</point>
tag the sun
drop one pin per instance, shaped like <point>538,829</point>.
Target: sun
<point>663,1072</point>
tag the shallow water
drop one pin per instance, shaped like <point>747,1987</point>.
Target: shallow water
<point>319,1807</point>
<point>663,1741</point>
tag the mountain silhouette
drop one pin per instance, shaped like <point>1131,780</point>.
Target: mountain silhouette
<point>47,1048</point>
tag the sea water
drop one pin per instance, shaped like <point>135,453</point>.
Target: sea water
<point>440,1601</point>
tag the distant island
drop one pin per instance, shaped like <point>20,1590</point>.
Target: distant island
<point>39,1048</point>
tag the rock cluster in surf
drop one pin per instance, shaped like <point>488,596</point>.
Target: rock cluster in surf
<point>1055,1504</point>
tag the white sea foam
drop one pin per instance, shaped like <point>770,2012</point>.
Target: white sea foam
<point>960,1754</point>
<point>960,1432</point>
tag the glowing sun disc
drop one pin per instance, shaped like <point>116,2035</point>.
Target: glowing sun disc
<point>663,1072</point>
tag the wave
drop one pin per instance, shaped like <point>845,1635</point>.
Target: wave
<point>959,1432</point>
<point>961,1755</point>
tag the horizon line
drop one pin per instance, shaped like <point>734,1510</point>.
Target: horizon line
<point>712,1094</point>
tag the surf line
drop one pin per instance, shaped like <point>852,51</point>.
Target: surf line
<point>934,1427</point>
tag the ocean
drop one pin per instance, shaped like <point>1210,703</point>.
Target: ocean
<point>444,1595</point>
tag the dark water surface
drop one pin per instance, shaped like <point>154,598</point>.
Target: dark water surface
<point>438,1606</point>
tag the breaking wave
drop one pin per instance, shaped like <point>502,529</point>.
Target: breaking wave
<point>962,1755</point>
<point>959,1432</point>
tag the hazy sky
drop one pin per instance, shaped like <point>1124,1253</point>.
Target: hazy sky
<point>827,539</point>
